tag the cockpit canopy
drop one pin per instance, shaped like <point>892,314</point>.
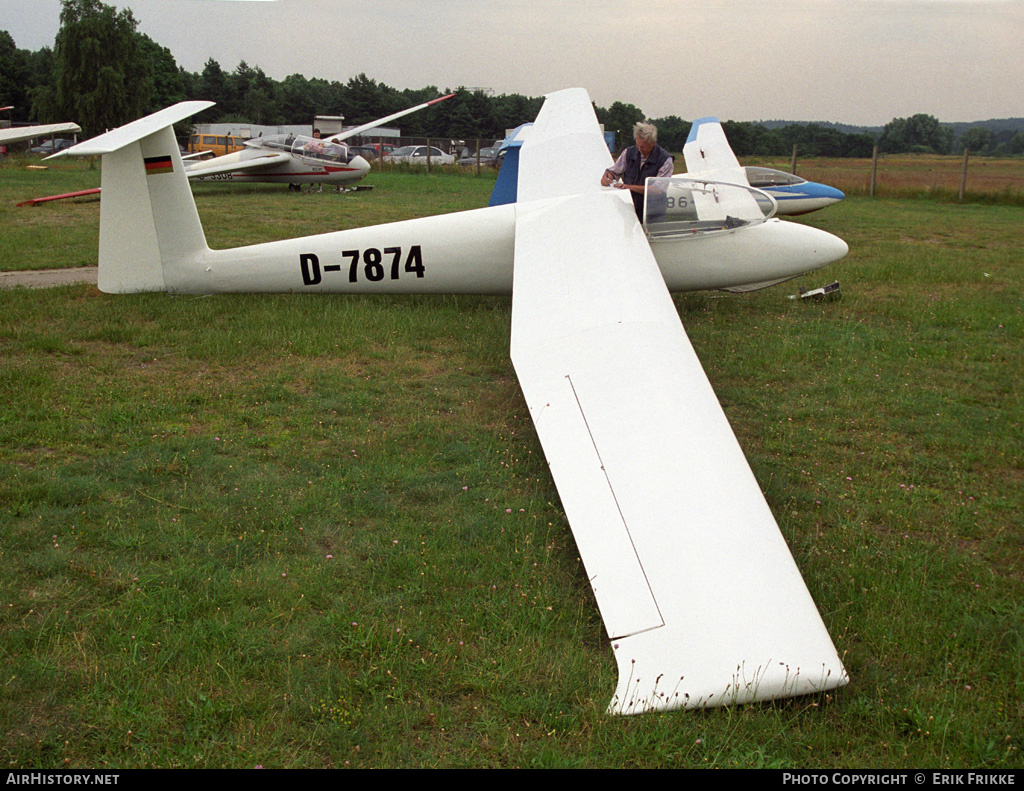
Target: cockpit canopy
<point>683,206</point>
<point>305,147</point>
<point>763,178</point>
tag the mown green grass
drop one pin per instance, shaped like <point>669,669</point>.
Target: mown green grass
<point>176,471</point>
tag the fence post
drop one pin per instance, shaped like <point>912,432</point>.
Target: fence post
<point>792,167</point>
<point>428,155</point>
<point>963,177</point>
<point>874,171</point>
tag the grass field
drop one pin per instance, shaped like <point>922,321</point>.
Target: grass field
<point>319,531</point>
<point>989,179</point>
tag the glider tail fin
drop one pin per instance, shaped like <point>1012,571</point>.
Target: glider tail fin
<point>506,187</point>
<point>148,219</point>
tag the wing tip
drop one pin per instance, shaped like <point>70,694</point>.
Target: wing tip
<point>770,682</point>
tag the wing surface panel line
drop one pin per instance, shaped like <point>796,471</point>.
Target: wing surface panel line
<point>622,516</point>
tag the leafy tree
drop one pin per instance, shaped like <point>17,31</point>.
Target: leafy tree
<point>42,93</point>
<point>978,139</point>
<point>620,118</point>
<point>471,116</point>
<point>920,133</point>
<point>363,99</point>
<point>15,77</point>
<point>166,83</point>
<point>511,110</point>
<point>741,137</point>
<point>102,77</point>
<point>252,94</point>
<point>212,86</point>
<point>297,98</point>
<point>672,132</point>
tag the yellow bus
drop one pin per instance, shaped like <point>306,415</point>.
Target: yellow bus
<point>218,144</point>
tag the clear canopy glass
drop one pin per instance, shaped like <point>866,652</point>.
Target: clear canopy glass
<point>762,178</point>
<point>682,206</point>
<point>305,147</point>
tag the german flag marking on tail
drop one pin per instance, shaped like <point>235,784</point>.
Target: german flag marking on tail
<point>156,165</point>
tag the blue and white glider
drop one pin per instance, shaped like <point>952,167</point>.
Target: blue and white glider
<point>708,155</point>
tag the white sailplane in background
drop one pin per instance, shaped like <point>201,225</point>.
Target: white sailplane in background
<point>296,159</point>
<point>700,596</point>
<point>708,155</point>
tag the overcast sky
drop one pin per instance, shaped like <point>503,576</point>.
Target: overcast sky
<point>851,61</point>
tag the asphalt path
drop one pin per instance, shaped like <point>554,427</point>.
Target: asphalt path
<point>44,278</point>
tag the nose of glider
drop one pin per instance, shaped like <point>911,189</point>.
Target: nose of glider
<point>824,247</point>
<point>797,248</point>
<point>359,164</point>
<point>826,194</point>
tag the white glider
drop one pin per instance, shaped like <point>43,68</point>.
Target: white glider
<point>699,594</point>
<point>296,159</point>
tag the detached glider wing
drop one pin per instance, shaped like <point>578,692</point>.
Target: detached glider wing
<point>708,155</point>
<point>17,134</point>
<point>699,594</point>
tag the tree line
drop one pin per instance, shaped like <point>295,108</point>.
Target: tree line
<point>102,73</point>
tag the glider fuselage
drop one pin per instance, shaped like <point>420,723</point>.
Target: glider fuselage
<point>472,252</point>
<point>299,166</point>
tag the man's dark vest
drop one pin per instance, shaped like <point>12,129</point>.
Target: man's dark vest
<point>634,174</point>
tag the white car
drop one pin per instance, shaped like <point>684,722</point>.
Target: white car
<point>417,155</point>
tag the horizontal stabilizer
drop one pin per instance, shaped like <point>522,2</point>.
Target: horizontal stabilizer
<point>129,133</point>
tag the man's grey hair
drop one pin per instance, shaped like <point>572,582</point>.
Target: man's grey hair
<point>645,131</point>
